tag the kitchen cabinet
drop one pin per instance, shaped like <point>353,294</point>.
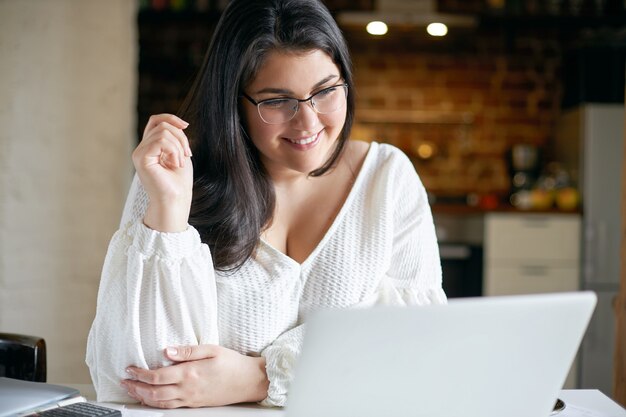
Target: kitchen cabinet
<point>532,253</point>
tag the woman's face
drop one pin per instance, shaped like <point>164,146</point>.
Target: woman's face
<point>305,142</point>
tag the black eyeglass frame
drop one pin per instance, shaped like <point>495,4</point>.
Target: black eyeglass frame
<point>298,100</point>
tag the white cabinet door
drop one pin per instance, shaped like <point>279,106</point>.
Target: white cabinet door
<point>530,279</point>
<point>531,253</point>
<point>532,237</point>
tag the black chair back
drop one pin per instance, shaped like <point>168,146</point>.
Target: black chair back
<point>22,357</point>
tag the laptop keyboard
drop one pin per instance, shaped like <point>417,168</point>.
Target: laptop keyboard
<point>80,410</point>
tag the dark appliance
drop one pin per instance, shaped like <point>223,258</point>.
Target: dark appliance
<point>524,162</point>
<point>461,251</point>
<point>462,269</point>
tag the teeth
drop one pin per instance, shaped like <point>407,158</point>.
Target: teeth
<point>305,141</point>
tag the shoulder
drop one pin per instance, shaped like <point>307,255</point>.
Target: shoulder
<point>391,154</point>
<point>386,158</point>
<point>394,171</point>
<point>391,170</point>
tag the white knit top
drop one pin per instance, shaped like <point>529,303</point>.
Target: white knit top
<point>160,289</point>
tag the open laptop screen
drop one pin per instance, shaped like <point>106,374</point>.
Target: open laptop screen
<point>475,357</point>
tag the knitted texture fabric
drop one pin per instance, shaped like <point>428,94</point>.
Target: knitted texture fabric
<point>160,289</point>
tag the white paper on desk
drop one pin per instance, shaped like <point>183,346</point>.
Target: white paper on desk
<point>127,412</point>
<point>575,411</point>
<point>130,412</point>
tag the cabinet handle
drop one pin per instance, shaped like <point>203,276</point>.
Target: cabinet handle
<point>534,270</point>
<point>536,221</point>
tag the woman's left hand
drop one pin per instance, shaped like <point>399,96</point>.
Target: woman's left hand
<point>204,375</point>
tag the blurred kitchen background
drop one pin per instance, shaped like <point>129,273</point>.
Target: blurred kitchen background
<point>514,119</point>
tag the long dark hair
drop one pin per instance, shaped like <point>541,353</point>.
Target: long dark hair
<point>233,197</point>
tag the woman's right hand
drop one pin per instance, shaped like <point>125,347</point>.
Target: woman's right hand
<point>163,162</point>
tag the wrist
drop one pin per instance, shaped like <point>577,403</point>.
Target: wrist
<point>170,217</point>
<point>260,383</point>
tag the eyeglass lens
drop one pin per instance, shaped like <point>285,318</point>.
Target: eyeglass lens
<point>282,110</point>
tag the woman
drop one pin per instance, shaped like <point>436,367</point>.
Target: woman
<point>278,216</point>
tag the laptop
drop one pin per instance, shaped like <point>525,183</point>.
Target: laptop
<point>19,397</point>
<point>27,398</point>
<point>474,357</point>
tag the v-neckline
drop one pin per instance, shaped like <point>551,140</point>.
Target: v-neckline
<point>344,207</point>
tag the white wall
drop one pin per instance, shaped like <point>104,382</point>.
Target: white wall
<point>67,127</point>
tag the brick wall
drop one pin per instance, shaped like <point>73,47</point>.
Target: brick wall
<point>464,107</point>
<point>470,96</point>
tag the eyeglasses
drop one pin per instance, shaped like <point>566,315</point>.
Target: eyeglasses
<point>274,111</point>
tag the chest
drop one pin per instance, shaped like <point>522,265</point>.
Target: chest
<point>303,217</point>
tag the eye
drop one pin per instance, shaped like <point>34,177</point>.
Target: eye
<point>276,104</point>
<point>326,92</point>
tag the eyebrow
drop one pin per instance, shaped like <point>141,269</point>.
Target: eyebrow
<point>271,90</point>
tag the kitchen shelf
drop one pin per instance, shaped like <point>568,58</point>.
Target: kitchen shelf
<point>462,209</point>
<point>414,117</point>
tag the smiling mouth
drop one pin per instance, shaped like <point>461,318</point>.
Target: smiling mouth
<point>304,141</point>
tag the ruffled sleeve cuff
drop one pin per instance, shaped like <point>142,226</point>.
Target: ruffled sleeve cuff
<point>171,246</point>
<point>280,360</point>
<point>389,294</point>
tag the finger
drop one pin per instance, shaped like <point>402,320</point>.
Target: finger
<point>165,146</point>
<point>154,393</point>
<point>159,153</point>
<point>160,396</point>
<point>162,376</point>
<point>155,119</point>
<point>165,404</point>
<point>131,394</point>
<point>191,353</point>
<point>177,133</point>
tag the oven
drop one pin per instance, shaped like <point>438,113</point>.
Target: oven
<point>460,238</point>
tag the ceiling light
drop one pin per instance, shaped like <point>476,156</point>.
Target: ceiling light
<point>437,29</point>
<point>376,27</point>
<point>403,13</point>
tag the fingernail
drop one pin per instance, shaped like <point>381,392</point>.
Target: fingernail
<point>186,123</point>
<point>171,351</point>
<point>130,371</point>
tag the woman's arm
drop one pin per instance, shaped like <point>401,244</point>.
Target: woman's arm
<point>280,359</point>
<point>158,286</point>
<point>204,375</point>
<point>414,275</point>
<point>157,290</point>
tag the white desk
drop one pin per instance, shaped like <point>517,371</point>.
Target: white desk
<point>578,400</point>
<point>590,399</point>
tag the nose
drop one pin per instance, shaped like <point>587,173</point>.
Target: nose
<point>306,119</point>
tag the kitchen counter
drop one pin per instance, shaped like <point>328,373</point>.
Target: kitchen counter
<point>467,209</point>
